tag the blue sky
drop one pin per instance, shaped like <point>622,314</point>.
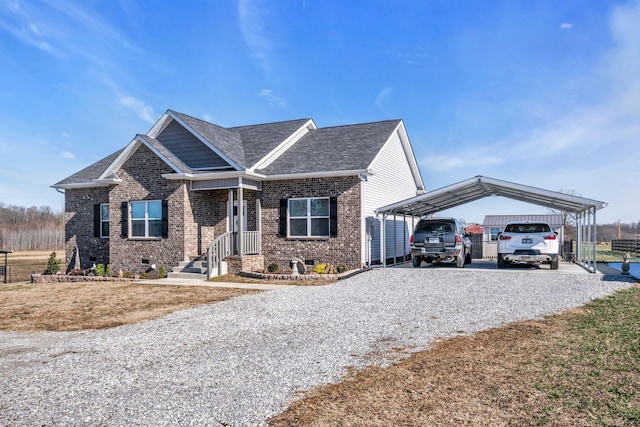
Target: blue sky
<point>542,93</point>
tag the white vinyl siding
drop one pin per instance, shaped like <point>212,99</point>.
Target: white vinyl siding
<point>392,181</point>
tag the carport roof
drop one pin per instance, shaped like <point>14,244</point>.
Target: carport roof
<point>479,187</point>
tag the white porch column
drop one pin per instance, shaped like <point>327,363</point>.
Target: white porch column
<point>230,210</point>
<point>240,219</point>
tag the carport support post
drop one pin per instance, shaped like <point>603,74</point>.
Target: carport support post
<point>590,255</point>
<point>595,240</point>
<point>383,238</point>
<point>579,237</point>
<point>404,237</point>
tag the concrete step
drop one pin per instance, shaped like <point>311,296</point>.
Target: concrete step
<point>186,275</point>
<point>195,266</point>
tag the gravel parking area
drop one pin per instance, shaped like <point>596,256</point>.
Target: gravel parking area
<point>241,361</point>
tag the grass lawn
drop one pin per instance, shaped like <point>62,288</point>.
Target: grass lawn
<point>605,254</point>
<point>96,305</point>
<point>580,368</point>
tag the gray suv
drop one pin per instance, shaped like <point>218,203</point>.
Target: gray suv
<point>440,239</point>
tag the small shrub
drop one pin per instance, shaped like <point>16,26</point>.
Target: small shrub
<point>108,271</point>
<point>162,273</point>
<point>53,264</point>
<point>341,268</point>
<point>320,268</point>
<point>100,270</point>
<point>273,267</point>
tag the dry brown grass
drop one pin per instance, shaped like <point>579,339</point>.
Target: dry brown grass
<point>96,305</point>
<point>23,264</point>
<point>581,368</point>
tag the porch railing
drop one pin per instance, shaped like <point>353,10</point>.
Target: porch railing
<point>251,242</point>
<point>225,245</point>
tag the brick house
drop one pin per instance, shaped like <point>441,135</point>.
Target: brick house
<point>244,196</point>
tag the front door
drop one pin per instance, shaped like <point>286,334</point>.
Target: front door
<point>234,221</point>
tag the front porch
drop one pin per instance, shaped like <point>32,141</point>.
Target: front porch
<point>229,255</point>
<point>237,244</point>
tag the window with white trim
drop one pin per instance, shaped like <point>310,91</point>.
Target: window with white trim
<point>309,217</point>
<point>104,220</point>
<point>146,218</point>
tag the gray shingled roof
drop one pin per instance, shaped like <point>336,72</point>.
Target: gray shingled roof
<point>259,140</point>
<point>91,172</point>
<point>340,148</point>
<point>157,145</point>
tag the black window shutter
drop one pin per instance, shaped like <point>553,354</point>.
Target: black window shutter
<point>96,220</point>
<point>282,225</point>
<point>165,219</point>
<point>333,216</point>
<point>124,212</point>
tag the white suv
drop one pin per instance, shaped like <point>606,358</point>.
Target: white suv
<point>528,242</point>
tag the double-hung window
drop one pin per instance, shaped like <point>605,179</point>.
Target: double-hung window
<point>104,220</point>
<point>309,217</point>
<point>146,218</point>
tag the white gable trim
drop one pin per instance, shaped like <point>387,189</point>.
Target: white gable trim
<point>160,125</point>
<point>284,146</point>
<point>128,152</point>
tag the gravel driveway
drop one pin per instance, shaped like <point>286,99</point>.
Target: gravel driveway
<point>241,361</point>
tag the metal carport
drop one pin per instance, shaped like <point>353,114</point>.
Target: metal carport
<point>583,210</point>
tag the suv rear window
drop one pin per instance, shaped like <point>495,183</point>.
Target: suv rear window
<point>435,227</point>
<point>527,228</point>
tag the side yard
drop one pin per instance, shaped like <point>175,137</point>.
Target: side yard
<point>581,368</point>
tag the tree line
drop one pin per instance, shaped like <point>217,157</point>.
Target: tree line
<point>36,228</point>
<point>40,228</point>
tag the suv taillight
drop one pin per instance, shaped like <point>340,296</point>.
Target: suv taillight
<point>458,239</point>
<point>411,239</point>
<point>503,237</point>
<point>550,237</point>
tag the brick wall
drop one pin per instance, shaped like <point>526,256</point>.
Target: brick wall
<point>197,217</point>
<point>78,206</point>
<point>141,177</point>
<point>345,248</point>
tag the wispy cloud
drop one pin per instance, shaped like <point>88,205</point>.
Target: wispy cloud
<point>67,155</point>
<point>272,99</point>
<point>144,111</point>
<point>445,163</point>
<point>383,98</point>
<point>566,26</point>
<point>252,22</point>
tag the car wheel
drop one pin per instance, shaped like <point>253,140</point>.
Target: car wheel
<point>501,263</point>
<point>460,261</point>
<point>416,261</point>
<point>555,263</point>
<point>467,259</point>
